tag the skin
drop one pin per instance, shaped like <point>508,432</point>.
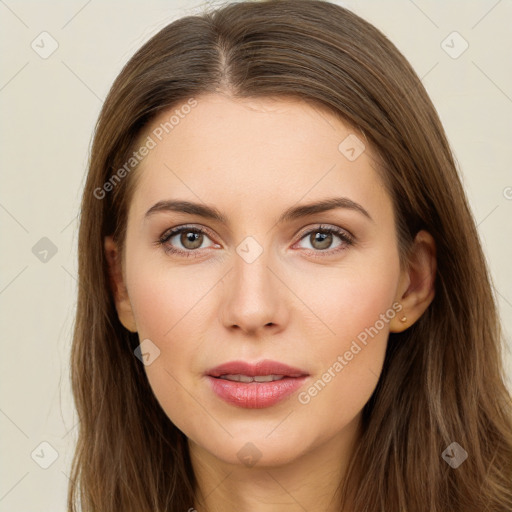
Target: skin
<point>252,159</point>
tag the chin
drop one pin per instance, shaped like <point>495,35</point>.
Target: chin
<point>257,446</point>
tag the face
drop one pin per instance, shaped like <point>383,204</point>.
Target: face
<point>316,292</point>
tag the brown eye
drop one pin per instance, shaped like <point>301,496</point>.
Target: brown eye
<point>320,240</point>
<point>184,241</point>
<point>191,239</point>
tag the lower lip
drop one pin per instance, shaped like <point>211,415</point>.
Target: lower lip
<point>255,395</point>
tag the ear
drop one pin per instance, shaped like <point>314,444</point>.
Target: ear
<point>117,285</point>
<point>416,286</point>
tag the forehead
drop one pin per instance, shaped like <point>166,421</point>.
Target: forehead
<point>257,150</point>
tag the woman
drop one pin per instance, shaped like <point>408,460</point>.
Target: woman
<point>283,301</point>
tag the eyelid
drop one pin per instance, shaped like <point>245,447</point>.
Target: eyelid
<point>326,227</point>
<point>183,227</point>
<point>301,233</point>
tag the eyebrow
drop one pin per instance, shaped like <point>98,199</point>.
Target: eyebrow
<point>292,213</point>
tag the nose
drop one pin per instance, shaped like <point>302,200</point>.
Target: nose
<point>253,298</point>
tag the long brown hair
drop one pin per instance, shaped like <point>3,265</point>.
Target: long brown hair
<point>443,379</point>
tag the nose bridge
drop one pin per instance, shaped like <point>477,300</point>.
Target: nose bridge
<point>253,297</point>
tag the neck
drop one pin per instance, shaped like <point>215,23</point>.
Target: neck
<point>309,482</point>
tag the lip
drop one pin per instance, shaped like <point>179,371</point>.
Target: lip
<point>265,367</point>
<point>255,395</point>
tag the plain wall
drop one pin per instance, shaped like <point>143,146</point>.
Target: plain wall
<point>49,107</point>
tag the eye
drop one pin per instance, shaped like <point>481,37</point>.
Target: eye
<point>190,239</point>
<point>321,239</point>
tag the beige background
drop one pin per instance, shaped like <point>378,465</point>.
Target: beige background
<point>48,110</point>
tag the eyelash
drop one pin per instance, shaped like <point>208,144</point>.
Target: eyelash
<point>345,237</point>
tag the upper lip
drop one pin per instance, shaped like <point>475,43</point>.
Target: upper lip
<point>265,367</point>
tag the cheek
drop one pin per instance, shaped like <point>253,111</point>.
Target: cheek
<point>167,300</point>
<point>357,309</point>
<point>167,310</point>
<point>172,308</point>
<point>347,300</point>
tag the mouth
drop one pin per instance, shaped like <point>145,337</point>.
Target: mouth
<point>256,378</point>
<point>255,386</point>
<point>265,368</point>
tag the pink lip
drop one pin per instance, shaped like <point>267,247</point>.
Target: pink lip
<point>265,367</point>
<point>255,395</point>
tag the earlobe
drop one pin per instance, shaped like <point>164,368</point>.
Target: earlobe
<point>117,285</point>
<point>416,289</point>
